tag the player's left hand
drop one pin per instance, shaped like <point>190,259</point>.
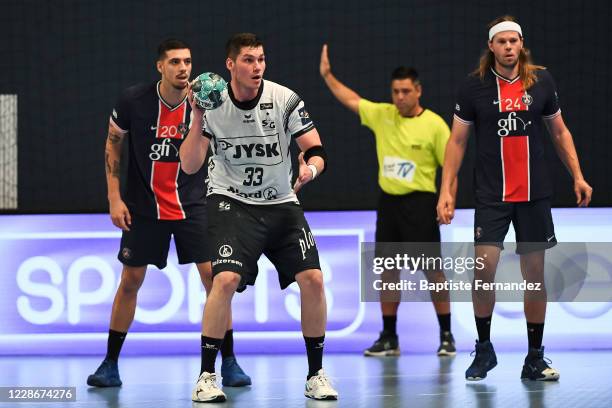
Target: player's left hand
<point>583,193</point>
<point>304,176</point>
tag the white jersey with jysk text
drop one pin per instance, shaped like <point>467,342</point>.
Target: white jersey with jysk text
<point>250,141</point>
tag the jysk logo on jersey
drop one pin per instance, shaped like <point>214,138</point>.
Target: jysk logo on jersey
<point>304,116</point>
<point>261,150</point>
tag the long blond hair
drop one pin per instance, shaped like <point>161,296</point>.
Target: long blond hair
<point>526,67</point>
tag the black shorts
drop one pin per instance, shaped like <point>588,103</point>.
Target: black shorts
<point>239,233</point>
<point>532,221</point>
<point>148,241</point>
<point>407,218</point>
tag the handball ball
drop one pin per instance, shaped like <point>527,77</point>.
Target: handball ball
<point>209,90</point>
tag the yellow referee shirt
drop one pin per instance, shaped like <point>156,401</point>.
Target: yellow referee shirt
<point>409,149</point>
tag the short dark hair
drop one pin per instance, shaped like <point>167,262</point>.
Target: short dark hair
<point>235,44</point>
<point>170,44</point>
<point>405,73</point>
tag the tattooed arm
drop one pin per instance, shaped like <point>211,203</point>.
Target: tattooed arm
<point>119,213</point>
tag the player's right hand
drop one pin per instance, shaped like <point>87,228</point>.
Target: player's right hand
<point>191,100</point>
<point>120,215</point>
<point>324,65</point>
<point>445,208</point>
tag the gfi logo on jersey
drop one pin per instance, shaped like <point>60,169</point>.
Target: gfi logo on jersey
<point>165,149</point>
<point>509,124</point>
<point>260,150</point>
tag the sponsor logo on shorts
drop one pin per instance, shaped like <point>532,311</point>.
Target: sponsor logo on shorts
<point>226,251</point>
<point>224,206</point>
<point>126,253</point>
<point>478,232</point>
<point>306,243</point>
<point>226,261</point>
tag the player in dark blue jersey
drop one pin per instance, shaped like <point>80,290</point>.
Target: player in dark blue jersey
<point>509,101</point>
<point>160,199</point>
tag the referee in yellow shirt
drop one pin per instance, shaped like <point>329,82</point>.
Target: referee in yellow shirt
<point>410,145</point>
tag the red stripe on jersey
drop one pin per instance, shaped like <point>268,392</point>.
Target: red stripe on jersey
<point>511,96</point>
<point>169,120</point>
<point>515,162</point>
<point>514,149</point>
<point>164,175</point>
<point>163,180</point>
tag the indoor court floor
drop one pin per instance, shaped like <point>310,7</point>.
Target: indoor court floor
<point>412,380</point>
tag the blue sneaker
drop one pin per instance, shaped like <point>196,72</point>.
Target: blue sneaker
<point>536,367</point>
<point>107,375</point>
<point>232,375</point>
<point>484,361</point>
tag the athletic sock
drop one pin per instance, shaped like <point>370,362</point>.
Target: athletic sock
<point>227,347</point>
<point>210,348</point>
<point>114,344</point>
<point>390,324</point>
<point>314,352</point>
<point>444,320</point>
<point>483,325</point>
<point>535,333</point>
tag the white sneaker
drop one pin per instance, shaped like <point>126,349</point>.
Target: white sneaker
<point>206,389</point>
<point>319,387</point>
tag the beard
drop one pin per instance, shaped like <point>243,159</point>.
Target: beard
<point>507,65</point>
<point>180,87</point>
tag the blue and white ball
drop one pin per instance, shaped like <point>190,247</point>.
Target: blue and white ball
<point>209,90</point>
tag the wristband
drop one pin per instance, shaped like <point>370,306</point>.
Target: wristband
<point>313,168</point>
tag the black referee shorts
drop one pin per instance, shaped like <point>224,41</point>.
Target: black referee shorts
<point>407,218</point>
<point>532,222</point>
<point>240,233</point>
<point>148,241</point>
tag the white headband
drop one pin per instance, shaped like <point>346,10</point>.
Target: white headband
<point>504,26</point>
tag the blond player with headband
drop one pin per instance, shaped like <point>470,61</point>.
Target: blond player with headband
<point>508,100</point>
